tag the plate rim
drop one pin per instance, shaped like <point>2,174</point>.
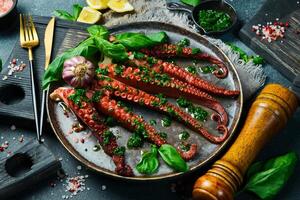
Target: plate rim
<point>199,166</point>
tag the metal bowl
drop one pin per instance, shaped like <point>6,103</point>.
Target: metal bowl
<point>205,5</point>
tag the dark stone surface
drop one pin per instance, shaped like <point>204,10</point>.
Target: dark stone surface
<point>286,141</point>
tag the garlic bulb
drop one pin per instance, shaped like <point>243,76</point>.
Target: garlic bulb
<point>78,72</point>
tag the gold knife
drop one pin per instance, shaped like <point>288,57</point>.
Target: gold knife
<point>48,41</point>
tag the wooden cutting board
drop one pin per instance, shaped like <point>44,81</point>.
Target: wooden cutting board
<point>15,99</point>
<point>285,55</point>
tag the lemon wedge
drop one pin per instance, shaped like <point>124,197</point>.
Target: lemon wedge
<point>89,15</point>
<point>97,4</point>
<point>120,6</point>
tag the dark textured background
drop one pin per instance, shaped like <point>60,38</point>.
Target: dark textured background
<point>115,189</point>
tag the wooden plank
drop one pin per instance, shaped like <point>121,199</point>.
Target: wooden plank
<point>39,161</point>
<point>23,110</point>
<point>282,54</point>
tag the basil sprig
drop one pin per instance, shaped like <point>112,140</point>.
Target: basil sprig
<point>173,159</point>
<point>62,14</point>
<point>136,41</point>
<point>98,43</point>
<point>191,2</point>
<point>267,178</point>
<point>149,162</point>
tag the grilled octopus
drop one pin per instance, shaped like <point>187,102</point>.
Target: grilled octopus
<point>160,66</point>
<point>104,103</point>
<point>125,92</point>
<point>152,82</point>
<point>173,50</point>
<point>89,116</point>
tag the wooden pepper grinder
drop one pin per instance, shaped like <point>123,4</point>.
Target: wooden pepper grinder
<point>267,116</point>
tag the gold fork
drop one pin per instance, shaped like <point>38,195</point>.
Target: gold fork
<point>29,39</point>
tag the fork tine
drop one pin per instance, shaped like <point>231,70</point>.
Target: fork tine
<point>22,39</point>
<point>35,35</point>
<point>25,28</point>
<point>28,26</point>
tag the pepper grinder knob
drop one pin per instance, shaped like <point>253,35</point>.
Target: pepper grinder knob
<point>268,114</point>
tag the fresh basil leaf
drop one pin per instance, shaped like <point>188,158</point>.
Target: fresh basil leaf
<point>268,178</point>
<point>254,168</point>
<point>191,2</point>
<point>0,65</point>
<point>54,71</point>
<point>170,155</point>
<point>134,41</point>
<point>98,31</point>
<point>116,52</point>
<point>76,11</point>
<point>63,15</point>
<point>159,37</point>
<point>149,162</point>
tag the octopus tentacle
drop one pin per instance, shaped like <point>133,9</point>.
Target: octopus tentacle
<point>171,87</point>
<point>173,50</point>
<point>190,154</point>
<point>128,93</point>
<point>175,71</point>
<point>128,119</point>
<point>87,113</point>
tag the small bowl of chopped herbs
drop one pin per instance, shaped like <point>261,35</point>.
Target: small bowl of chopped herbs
<point>211,17</point>
<point>215,17</point>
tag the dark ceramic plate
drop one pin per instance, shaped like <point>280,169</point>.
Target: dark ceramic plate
<point>100,162</point>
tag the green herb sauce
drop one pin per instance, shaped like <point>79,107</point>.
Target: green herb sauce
<point>196,111</point>
<point>78,97</point>
<point>213,20</point>
<point>166,122</point>
<point>207,69</point>
<point>163,100</point>
<point>163,135</point>
<point>184,147</point>
<point>110,121</point>
<point>102,71</point>
<point>153,122</point>
<point>184,135</point>
<point>107,135</point>
<point>120,151</point>
<point>195,51</point>
<point>96,96</point>
<point>192,69</point>
<point>184,42</point>
<point>119,70</point>
<point>135,141</point>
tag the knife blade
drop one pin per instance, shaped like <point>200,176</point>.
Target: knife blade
<point>48,41</point>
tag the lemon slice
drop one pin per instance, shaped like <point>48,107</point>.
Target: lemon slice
<point>120,6</point>
<point>97,4</point>
<point>89,15</point>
